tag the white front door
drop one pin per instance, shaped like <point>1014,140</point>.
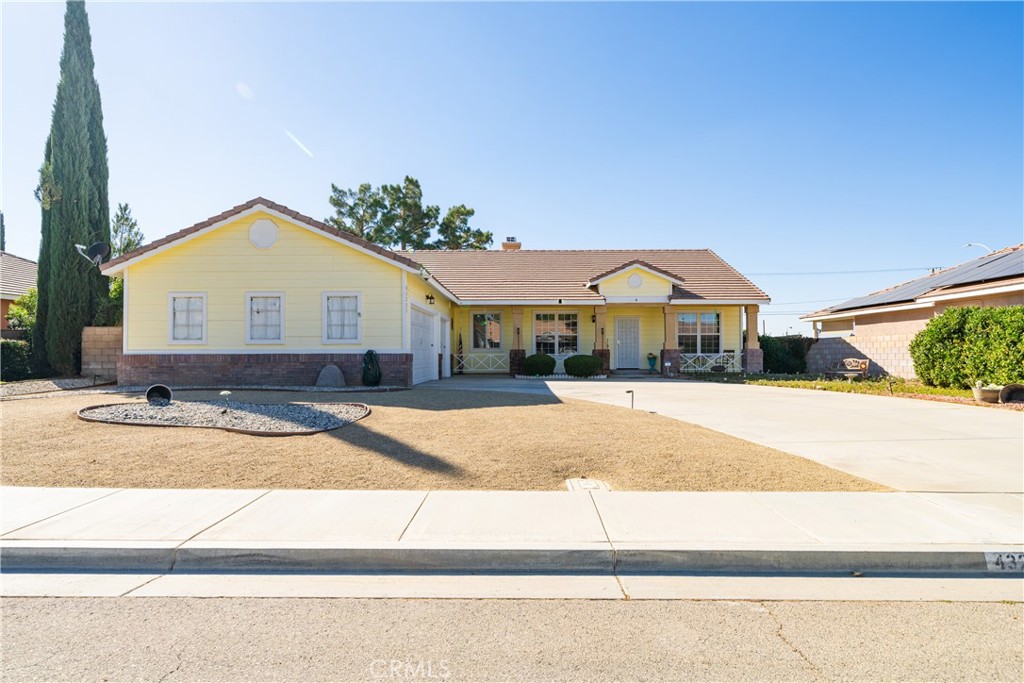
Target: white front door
<point>424,356</point>
<point>627,343</point>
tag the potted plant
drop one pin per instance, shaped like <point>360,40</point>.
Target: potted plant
<point>986,394</point>
<point>651,360</point>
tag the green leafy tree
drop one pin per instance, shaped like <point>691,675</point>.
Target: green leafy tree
<point>454,231</point>
<point>75,205</point>
<point>22,313</point>
<point>408,224</point>
<point>359,212</point>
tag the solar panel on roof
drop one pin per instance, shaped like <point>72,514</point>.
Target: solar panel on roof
<point>995,266</point>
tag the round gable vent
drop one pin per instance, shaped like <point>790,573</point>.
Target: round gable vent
<point>635,281</point>
<point>263,233</point>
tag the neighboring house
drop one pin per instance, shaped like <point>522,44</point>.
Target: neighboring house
<point>261,294</point>
<point>17,276</point>
<point>880,326</point>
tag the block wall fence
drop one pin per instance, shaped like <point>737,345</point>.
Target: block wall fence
<point>101,349</point>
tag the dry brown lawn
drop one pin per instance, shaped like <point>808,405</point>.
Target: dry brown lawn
<point>419,439</point>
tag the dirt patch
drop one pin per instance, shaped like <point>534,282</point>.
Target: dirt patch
<point>420,439</point>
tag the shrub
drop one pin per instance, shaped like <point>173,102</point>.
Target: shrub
<point>785,355</point>
<point>538,365</point>
<point>14,360</point>
<point>583,365</point>
<point>22,313</point>
<point>967,344</point>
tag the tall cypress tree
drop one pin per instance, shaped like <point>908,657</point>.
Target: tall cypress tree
<point>73,194</point>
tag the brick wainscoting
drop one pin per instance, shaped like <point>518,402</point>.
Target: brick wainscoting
<point>753,361</point>
<point>101,350</point>
<point>278,369</point>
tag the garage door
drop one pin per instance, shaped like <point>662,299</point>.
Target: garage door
<point>424,356</point>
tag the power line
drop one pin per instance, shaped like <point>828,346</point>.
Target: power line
<point>819,301</point>
<point>848,272</point>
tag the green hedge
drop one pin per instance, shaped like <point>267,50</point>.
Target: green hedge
<point>583,366</point>
<point>785,355</point>
<point>538,365</point>
<point>966,345</point>
<point>14,360</point>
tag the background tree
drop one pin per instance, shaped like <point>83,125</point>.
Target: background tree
<point>408,223</point>
<point>125,236</point>
<point>75,205</point>
<point>3,233</point>
<point>455,233</point>
<point>359,212</point>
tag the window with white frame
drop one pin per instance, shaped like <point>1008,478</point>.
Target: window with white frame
<point>699,333</point>
<point>486,331</point>
<point>187,318</point>
<point>556,333</point>
<point>341,315</point>
<point>264,318</point>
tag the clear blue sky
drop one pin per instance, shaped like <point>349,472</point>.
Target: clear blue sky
<point>789,138</point>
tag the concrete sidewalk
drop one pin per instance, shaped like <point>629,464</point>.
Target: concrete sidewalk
<point>595,532</point>
<point>906,444</point>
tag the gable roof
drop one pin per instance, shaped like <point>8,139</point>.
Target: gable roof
<point>17,275</point>
<point>635,263</point>
<point>549,275</point>
<point>119,263</point>
<point>999,265</point>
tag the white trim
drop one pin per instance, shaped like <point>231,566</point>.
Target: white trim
<point>170,318</point>
<point>441,288</point>
<point>719,302</point>
<point>701,335</point>
<point>866,311</point>
<point>534,302</point>
<point>124,314</point>
<point>988,291</point>
<point>637,299</point>
<point>210,352</point>
<point>110,270</point>
<point>324,318</point>
<point>406,331</point>
<point>634,266</point>
<point>445,345</point>
<point>639,340</point>
<point>248,316</point>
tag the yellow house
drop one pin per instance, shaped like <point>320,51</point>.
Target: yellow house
<point>261,294</point>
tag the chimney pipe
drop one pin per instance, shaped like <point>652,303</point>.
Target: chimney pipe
<point>510,244</point>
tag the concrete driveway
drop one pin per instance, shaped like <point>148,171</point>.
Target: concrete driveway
<point>908,444</point>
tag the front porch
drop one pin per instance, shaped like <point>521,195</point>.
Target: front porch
<point>681,339</point>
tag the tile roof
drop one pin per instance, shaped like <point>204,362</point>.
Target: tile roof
<point>522,275</point>
<point>630,264</point>
<point>17,275</point>
<point>251,204</point>
<point>563,274</point>
<point>999,265</point>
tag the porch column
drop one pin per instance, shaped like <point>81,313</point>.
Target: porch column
<point>601,340</point>
<point>670,347</point>
<point>517,354</point>
<point>753,357</point>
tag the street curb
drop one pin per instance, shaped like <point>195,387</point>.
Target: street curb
<point>393,558</point>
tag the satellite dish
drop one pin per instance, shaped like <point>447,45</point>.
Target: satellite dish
<point>96,253</point>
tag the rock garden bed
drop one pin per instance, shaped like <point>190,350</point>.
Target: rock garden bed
<point>273,419</point>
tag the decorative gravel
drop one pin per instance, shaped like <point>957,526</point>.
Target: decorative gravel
<point>38,386</point>
<point>259,418</point>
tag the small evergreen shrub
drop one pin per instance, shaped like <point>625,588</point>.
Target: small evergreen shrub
<point>785,355</point>
<point>964,345</point>
<point>538,365</point>
<point>14,360</point>
<point>583,366</point>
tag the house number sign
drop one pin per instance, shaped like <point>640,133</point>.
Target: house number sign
<point>1005,562</point>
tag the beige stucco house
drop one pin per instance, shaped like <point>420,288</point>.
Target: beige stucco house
<point>881,325</point>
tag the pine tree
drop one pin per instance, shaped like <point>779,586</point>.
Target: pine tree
<point>407,221</point>
<point>73,194</point>
<point>454,231</point>
<point>125,235</point>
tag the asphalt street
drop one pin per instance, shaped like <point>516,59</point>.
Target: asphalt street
<point>187,639</point>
